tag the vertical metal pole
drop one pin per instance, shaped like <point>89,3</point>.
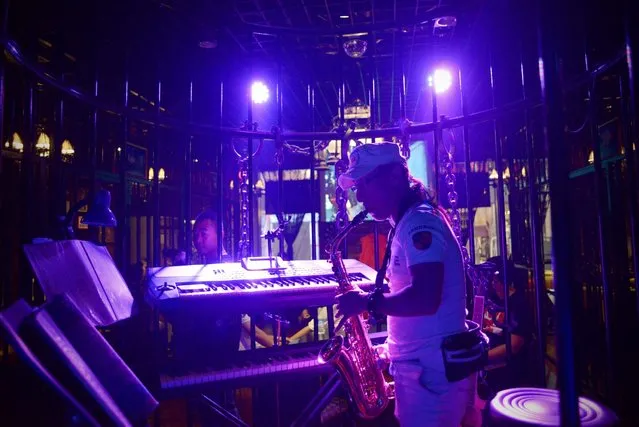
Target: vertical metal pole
<point>93,144</point>
<point>372,97</point>
<point>188,180</point>
<point>602,222</point>
<point>124,222</point>
<point>342,84</point>
<point>501,213</point>
<point>250,175</point>
<point>57,196</point>
<point>4,264</point>
<point>471,214</point>
<point>156,182</point>
<point>280,170</point>
<point>220,177</point>
<point>436,140</point>
<point>345,143</point>
<point>93,153</point>
<point>551,21</point>
<point>534,217</point>
<point>26,171</point>
<point>311,107</point>
<point>631,138</point>
<point>373,125</point>
<point>402,75</point>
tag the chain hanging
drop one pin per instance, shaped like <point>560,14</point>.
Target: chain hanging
<point>405,138</point>
<point>244,244</point>
<point>451,181</point>
<point>245,238</point>
<point>341,196</point>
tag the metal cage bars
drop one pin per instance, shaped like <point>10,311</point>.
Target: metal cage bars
<point>557,151</point>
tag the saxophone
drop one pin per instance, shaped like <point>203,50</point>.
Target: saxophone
<point>353,355</point>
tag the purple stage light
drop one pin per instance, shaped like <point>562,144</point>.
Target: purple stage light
<point>259,93</point>
<point>441,79</point>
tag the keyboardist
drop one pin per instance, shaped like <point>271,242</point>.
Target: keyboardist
<point>205,338</point>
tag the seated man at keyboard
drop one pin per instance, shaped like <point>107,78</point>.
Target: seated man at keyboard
<point>203,338</point>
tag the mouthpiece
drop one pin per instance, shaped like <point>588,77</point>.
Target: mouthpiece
<point>360,217</point>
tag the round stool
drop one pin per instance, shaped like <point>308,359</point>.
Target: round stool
<point>540,407</point>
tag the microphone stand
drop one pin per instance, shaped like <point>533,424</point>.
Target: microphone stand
<point>275,234</point>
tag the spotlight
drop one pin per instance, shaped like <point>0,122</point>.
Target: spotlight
<point>441,79</point>
<point>259,93</point>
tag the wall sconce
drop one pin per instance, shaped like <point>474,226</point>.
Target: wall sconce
<point>43,145</point>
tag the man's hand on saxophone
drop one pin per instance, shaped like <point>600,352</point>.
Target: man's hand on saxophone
<point>349,304</point>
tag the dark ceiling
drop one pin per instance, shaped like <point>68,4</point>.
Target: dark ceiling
<point>172,39</point>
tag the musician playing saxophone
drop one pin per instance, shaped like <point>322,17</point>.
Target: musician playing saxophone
<point>426,279</point>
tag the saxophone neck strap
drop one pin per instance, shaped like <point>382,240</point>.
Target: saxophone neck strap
<point>407,205</point>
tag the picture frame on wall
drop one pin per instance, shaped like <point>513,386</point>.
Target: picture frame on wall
<point>136,159</point>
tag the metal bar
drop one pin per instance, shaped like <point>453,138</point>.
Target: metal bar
<point>311,106</point>
<point>280,169</point>
<point>501,215</point>
<point>93,152</point>
<point>319,401</point>
<point>392,80</point>
<point>57,196</point>
<point>342,217</point>
<point>220,179</point>
<point>226,415</point>
<point>372,97</point>
<point>602,223</point>
<point>156,184</point>
<point>4,251</point>
<point>187,214</point>
<point>333,30</point>
<point>124,221</point>
<point>551,21</point>
<point>631,139</point>
<point>536,238</point>
<point>436,139</point>
<point>250,176</point>
<point>26,172</point>
<point>466,144</point>
<point>402,75</point>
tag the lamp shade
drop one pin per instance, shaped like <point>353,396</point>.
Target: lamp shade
<point>99,212</point>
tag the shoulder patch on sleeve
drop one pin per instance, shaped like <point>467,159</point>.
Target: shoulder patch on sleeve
<point>422,240</point>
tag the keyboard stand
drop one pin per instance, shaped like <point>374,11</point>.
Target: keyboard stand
<point>217,408</point>
<point>319,401</point>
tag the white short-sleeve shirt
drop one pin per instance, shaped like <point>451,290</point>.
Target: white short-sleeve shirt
<point>423,236</point>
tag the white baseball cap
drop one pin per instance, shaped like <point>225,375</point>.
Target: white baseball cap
<point>365,158</point>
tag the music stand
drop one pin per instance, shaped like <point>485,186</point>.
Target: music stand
<point>87,274</point>
<point>60,343</point>
<point>10,321</point>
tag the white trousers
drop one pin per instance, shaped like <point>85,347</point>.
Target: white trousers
<point>425,398</point>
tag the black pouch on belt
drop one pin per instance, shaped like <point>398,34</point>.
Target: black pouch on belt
<point>465,353</point>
